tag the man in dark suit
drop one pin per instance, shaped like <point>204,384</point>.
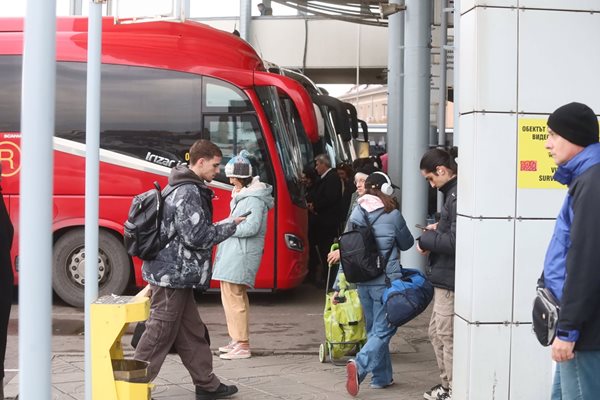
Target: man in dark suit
<point>326,205</point>
<point>6,281</point>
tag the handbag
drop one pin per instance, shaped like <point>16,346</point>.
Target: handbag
<point>406,297</point>
<point>546,309</point>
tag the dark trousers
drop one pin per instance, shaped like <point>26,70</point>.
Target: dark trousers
<point>325,238</point>
<point>174,320</point>
<point>6,292</point>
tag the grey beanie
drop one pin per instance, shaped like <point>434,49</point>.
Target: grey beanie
<point>239,166</point>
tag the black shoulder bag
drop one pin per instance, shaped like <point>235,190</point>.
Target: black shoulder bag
<point>546,309</point>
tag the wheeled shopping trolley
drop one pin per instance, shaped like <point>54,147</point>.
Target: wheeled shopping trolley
<point>345,330</point>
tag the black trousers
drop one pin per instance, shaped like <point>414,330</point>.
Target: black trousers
<point>325,238</point>
<point>6,293</point>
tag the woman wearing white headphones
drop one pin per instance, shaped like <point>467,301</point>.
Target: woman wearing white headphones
<point>391,235</point>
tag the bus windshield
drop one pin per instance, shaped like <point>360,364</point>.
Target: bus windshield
<point>286,137</point>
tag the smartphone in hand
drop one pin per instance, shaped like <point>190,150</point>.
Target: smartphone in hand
<point>245,214</point>
<point>421,227</point>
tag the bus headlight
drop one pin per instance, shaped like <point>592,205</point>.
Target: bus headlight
<point>293,242</point>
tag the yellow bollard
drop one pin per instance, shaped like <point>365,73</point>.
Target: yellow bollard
<point>110,316</point>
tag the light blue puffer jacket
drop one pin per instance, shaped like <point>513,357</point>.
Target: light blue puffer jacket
<point>238,257</point>
<point>390,231</point>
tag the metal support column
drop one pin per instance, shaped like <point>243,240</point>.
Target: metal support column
<point>92,181</point>
<point>76,7</point>
<point>245,18</point>
<point>443,75</point>
<point>442,94</point>
<point>456,75</point>
<point>395,78</point>
<point>35,225</point>
<point>417,71</point>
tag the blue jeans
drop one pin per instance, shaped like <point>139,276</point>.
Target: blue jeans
<point>578,379</point>
<point>374,357</point>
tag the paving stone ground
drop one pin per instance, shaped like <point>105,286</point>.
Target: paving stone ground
<point>286,330</point>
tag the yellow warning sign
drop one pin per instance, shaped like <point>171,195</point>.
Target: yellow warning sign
<point>535,169</point>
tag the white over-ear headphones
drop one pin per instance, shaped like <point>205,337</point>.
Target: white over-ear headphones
<point>387,187</point>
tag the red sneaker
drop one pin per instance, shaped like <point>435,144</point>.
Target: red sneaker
<point>352,378</point>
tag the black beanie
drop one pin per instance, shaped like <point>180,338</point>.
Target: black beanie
<point>575,122</point>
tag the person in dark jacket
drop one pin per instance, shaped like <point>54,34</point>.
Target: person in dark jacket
<point>571,266</point>
<point>6,281</point>
<point>438,242</point>
<point>346,174</point>
<point>182,266</point>
<point>392,236</point>
<point>309,182</point>
<point>326,203</point>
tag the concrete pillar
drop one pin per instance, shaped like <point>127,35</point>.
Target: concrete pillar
<point>506,210</point>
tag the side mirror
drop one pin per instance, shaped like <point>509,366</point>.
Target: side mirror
<point>365,130</point>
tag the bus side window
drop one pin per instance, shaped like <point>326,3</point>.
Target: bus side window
<point>234,133</point>
<point>230,122</point>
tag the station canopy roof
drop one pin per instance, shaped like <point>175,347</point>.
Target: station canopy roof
<point>359,11</point>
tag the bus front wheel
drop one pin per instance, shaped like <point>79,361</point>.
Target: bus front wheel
<point>68,265</point>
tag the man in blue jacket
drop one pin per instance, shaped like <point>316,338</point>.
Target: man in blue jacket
<point>183,265</point>
<point>572,266</point>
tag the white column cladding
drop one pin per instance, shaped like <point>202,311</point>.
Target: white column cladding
<point>514,64</point>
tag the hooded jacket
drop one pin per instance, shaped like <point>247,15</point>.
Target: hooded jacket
<point>238,257</point>
<point>571,267</point>
<point>185,262</point>
<point>442,242</point>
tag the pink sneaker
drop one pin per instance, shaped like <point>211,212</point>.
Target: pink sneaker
<point>240,351</point>
<point>228,348</point>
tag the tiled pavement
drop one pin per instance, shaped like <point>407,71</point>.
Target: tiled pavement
<point>276,376</point>
<point>286,332</point>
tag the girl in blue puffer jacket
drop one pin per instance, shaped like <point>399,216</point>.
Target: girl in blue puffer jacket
<point>392,235</point>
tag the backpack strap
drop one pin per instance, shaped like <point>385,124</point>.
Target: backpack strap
<point>163,195</point>
<point>541,283</point>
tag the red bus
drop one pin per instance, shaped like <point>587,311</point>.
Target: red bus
<point>164,85</point>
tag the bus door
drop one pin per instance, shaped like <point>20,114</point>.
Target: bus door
<point>230,121</point>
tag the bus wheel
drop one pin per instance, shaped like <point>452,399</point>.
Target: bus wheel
<point>69,266</point>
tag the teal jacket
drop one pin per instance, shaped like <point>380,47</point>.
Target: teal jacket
<point>238,257</point>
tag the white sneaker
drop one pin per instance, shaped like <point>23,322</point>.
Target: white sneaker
<point>240,351</point>
<point>228,348</point>
<point>435,392</point>
<point>445,395</point>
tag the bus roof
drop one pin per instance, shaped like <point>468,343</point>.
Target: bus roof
<point>200,48</point>
<point>180,46</point>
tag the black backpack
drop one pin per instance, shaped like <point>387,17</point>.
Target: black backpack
<point>359,255</point>
<point>142,228</point>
